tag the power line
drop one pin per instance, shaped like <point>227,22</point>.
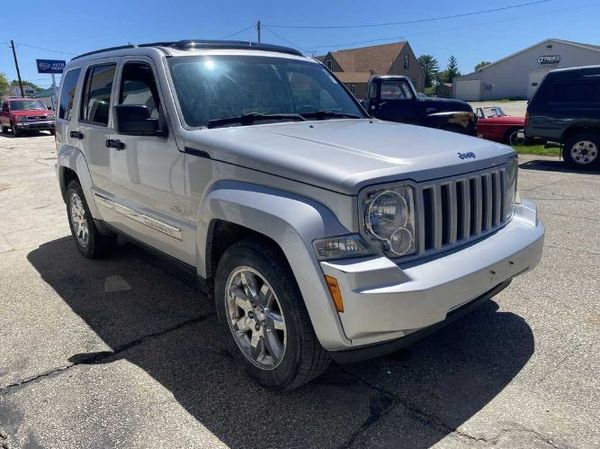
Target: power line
<point>45,49</point>
<point>407,22</point>
<point>396,38</point>
<point>237,32</point>
<point>279,36</point>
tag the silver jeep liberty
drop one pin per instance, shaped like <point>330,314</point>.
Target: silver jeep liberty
<point>319,231</point>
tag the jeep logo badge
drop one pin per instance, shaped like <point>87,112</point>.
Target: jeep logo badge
<point>469,155</point>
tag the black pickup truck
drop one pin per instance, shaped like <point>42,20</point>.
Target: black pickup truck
<point>394,98</point>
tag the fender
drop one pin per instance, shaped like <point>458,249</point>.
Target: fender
<point>293,222</point>
<point>74,159</point>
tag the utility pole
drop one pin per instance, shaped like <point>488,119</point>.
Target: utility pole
<point>258,30</point>
<point>12,44</point>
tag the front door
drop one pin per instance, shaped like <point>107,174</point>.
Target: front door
<point>147,173</point>
<point>396,103</point>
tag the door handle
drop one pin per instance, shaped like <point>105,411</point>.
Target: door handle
<point>115,143</point>
<point>76,135</point>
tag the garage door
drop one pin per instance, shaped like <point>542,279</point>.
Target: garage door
<point>468,90</point>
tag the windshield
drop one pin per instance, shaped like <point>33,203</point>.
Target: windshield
<point>211,88</point>
<point>25,105</point>
<point>495,111</point>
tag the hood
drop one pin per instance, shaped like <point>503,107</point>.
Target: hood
<point>29,112</point>
<point>445,105</point>
<point>506,120</point>
<point>346,155</point>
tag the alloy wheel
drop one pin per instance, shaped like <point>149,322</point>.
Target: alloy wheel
<point>255,317</point>
<point>584,152</point>
<point>79,220</point>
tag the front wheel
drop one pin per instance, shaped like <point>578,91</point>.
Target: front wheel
<point>582,151</point>
<point>262,312</point>
<point>16,131</point>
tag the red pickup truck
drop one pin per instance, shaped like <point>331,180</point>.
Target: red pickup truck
<point>25,114</point>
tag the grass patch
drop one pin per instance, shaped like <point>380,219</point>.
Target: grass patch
<point>536,149</point>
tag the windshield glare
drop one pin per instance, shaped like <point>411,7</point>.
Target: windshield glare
<point>25,105</point>
<point>495,111</point>
<point>217,87</point>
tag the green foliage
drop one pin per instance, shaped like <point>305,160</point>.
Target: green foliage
<point>482,64</point>
<point>4,84</point>
<point>430,66</point>
<point>452,69</point>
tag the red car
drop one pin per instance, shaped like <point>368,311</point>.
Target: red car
<point>494,124</point>
<point>25,114</point>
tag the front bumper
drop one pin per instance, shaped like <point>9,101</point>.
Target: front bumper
<point>385,301</point>
<point>41,124</point>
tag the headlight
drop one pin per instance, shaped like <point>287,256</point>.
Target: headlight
<point>20,118</point>
<point>390,220</point>
<point>50,116</point>
<point>342,247</point>
<point>511,188</point>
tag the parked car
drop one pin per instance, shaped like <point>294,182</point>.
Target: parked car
<point>495,124</point>
<point>318,231</point>
<point>25,114</point>
<point>394,98</point>
<point>566,109</point>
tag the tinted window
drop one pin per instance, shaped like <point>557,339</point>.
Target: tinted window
<point>574,91</point>
<point>210,88</point>
<point>138,86</point>
<point>95,106</point>
<point>67,93</point>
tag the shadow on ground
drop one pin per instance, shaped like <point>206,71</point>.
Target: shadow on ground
<point>10,135</point>
<point>165,326</point>
<point>556,165</point>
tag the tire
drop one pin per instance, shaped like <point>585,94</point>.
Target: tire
<point>88,239</point>
<point>16,132</point>
<point>511,137</point>
<point>582,151</point>
<point>52,132</point>
<point>4,129</point>
<point>289,353</point>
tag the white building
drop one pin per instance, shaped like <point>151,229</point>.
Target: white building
<point>518,75</point>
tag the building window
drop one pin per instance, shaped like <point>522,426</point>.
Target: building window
<point>405,63</point>
<point>329,64</point>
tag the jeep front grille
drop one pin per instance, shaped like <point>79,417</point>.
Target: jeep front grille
<point>457,210</point>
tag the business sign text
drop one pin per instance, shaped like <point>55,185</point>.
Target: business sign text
<point>50,65</point>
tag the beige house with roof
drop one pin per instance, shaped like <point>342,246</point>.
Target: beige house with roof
<point>355,66</point>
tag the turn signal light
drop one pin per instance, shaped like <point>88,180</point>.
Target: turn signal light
<point>336,294</point>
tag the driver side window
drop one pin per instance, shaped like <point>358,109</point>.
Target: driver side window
<point>395,91</point>
<point>138,87</point>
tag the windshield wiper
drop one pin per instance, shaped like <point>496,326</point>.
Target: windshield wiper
<point>250,117</point>
<point>325,113</point>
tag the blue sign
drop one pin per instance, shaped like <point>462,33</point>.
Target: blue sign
<point>50,65</point>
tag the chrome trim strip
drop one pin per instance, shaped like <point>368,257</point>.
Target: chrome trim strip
<point>103,201</point>
<point>151,222</point>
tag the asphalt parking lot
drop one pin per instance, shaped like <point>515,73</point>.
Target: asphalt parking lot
<point>125,352</point>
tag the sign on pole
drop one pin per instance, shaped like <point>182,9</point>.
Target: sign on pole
<point>50,65</point>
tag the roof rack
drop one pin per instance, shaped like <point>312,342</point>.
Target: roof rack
<point>190,44</point>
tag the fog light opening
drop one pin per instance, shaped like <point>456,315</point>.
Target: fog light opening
<point>336,294</point>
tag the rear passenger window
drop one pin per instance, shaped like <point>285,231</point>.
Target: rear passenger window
<point>582,91</point>
<point>95,106</point>
<point>138,86</point>
<point>67,94</point>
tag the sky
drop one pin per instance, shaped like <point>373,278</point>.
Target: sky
<point>61,29</point>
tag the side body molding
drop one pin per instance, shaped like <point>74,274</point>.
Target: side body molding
<point>73,158</point>
<point>293,222</point>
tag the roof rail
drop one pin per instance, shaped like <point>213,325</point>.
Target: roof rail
<point>189,44</point>
<point>102,50</point>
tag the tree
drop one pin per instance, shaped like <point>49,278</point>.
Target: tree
<point>4,84</point>
<point>452,69</point>
<point>482,64</point>
<point>26,85</point>
<point>430,66</point>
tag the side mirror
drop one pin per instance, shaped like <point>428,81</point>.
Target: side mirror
<point>49,108</point>
<point>134,119</point>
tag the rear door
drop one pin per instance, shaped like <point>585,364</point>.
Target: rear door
<point>94,127</point>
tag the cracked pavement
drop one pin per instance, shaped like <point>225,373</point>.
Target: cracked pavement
<point>125,352</point>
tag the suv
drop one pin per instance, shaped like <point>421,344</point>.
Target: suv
<point>566,109</point>
<point>394,98</point>
<point>318,231</point>
<point>25,114</point>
